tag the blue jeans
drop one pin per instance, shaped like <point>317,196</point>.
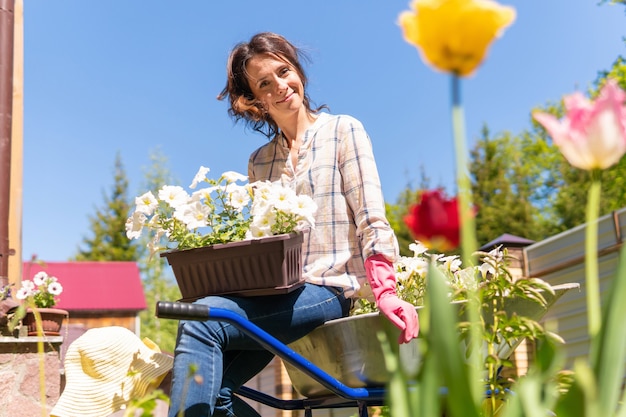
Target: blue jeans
<point>225,358</point>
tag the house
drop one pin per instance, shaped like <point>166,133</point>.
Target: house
<point>95,293</point>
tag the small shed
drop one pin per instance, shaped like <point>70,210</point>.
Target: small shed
<point>95,293</point>
<point>515,247</point>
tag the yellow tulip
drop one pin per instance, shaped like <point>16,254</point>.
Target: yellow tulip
<point>454,35</point>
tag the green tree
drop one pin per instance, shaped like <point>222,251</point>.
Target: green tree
<point>108,241</point>
<point>395,215</point>
<point>523,185</point>
<point>396,212</point>
<point>158,283</point>
<point>509,185</point>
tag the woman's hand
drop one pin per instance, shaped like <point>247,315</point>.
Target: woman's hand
<point>382,280</point>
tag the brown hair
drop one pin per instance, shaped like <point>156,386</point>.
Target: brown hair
<point>243,105</point>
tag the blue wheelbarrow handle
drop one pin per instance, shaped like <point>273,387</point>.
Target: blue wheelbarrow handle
<point>199,312</point>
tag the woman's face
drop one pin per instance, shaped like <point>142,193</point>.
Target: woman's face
<point>276,85</point>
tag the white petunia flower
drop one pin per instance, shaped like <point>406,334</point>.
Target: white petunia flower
<point>40,278</point>
<point>200,177</point>
<point>486,269</point>
<point>262,224</point>
<point>305,208</point>
<point>451,263</point>
<point>203,194</point>
<point>232,176</point>
<point>22,293</point>
<point>465,279</point>
<point>134,225</point>
<point>146,203</point>
<point>418,248</point>
<point>55,288</point>
<point>194,214</point>
<point>418,266</point>
<point>259,230</point>
<point>238,197</point>
<point>173,195</point>
<point>497,254</point>
<point>154,246</point>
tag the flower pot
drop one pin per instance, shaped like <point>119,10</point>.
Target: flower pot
<point>51,321</point>
<point>265,266</point>
<point>348,348</point>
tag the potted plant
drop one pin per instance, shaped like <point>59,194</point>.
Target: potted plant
<point>7,309</point>
<point>511,311</point>
<point>39,296</point>
<point>228,237</point>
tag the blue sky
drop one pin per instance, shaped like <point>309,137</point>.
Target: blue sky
<point>103,77</point>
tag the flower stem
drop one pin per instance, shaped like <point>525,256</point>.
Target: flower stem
<point>468,233</point>
<point>42,361</point>
<point>591,254</point>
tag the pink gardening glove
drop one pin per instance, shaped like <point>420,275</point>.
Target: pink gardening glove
<point>382,279</point>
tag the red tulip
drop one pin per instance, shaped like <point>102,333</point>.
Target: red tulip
<point>434,221</point>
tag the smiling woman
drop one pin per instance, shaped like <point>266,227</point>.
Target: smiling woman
<point>348,254</point>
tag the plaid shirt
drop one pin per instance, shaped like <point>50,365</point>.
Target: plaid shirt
<point>336,168</point>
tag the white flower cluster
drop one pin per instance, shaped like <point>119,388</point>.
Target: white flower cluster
<point>412,273</point>
<point>410,269</point>
<point>276,209</point>
<point>225,211</point>
<point>42,290</point>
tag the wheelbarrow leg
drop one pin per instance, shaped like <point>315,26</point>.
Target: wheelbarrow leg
<point>363,409</point>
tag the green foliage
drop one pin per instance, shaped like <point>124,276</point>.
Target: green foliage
<point>146,405</point>
<point>510,187</point>
<point>594,388</point>
<point>522,185</point>
<point>395,216</point>
<point>396,212</point>
<point>108,241</point>
<point>566,204</point>
<point>490,286</point>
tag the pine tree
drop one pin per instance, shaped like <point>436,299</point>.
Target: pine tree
<point>510,186</point>
<point>108,241</point>
<point>396,212</point>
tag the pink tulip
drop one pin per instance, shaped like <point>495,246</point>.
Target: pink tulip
<point>592,135</point>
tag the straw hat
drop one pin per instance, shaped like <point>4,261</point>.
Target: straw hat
<point>107,367</point>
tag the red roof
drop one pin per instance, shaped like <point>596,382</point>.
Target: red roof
<point>94,286</point>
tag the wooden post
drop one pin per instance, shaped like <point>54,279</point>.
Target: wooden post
<point>6,109</point>
<point>17,148</point>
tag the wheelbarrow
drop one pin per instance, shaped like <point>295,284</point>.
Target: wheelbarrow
<point>339,394</point>
<point>349,369</point>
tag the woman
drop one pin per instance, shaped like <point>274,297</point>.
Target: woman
<point>348,254</point>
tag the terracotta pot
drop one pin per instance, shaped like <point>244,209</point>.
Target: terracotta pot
<point>265,266</point>
<point>51,321</point>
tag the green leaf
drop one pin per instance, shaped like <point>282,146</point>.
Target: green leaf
<point>608,351</point>
<point>445,346</point>
<point>397,387</point>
